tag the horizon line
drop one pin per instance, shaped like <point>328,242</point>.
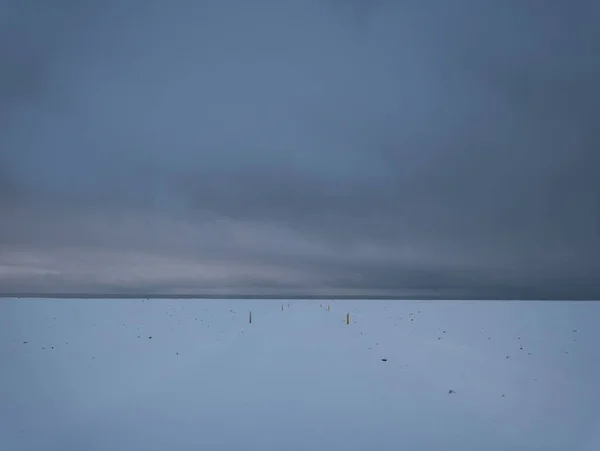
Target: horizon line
<point>200,296</point>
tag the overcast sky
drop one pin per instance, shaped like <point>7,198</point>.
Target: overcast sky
<point>332,146</point>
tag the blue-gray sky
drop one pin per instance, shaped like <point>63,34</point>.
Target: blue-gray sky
<point>286,146</point>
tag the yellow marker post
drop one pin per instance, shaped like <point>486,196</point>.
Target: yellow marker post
<point>347,318</point>
<point>329,308</point>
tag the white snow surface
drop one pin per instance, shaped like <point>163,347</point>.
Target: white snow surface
<point>84,375</point>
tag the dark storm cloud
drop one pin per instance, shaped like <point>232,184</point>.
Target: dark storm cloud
<point>303,146</point>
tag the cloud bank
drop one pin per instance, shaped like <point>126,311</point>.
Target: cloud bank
<point>316,147</point>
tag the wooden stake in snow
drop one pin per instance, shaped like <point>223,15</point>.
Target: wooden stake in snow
<point>250,317</point>
<point>329,308</point>
<point>282,307</point>
<point>347,318</point>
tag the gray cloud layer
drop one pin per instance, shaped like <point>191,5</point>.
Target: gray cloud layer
<point>307,147</point>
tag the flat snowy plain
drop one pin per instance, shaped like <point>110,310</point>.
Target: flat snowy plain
<point>132,374</point>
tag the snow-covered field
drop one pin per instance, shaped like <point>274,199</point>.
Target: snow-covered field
<point>112,375</point>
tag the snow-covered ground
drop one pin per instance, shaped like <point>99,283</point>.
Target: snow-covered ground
<point>112,375</point>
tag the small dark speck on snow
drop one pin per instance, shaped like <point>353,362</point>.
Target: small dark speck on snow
<point>25,342</point>
<point>451,391</point>
<point>384,360</point>
<point>149,338</point>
